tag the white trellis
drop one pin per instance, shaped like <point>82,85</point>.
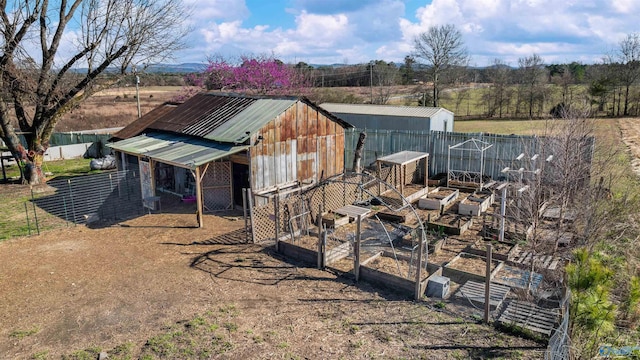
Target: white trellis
<point>466,167</point>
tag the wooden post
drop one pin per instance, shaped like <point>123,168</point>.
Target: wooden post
<point>487,287</point>
<point>426,171</point>
<point>199,198</point>
<point>379,177</point>
<point>356,250</point>
<point>503,205</point>
<point>320,234</point>
<point>357,155</point>
<point>276,208</point>
<point>418,293</point>
<point>251,217</point>
<point>324,247</point>
<point>244,214</point>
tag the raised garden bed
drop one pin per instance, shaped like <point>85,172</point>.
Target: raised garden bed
<point>501,250</point>
<point>467,266</point>
<point>451,224</point>
<point>438,198</point>
<point>382,270</point>
<point>438,179</point>
<point>334,220</point>
<point>476,203</point>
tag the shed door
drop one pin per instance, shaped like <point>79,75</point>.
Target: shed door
<point>240,181</point>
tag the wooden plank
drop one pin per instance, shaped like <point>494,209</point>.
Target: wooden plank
<point>352,211</point>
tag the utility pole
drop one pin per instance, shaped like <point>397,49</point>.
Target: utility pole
<point>371,79</point>
<point>137,92</point>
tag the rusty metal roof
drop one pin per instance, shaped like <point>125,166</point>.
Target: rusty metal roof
<point>221,117</point>
<point>239,128</point>
<point>138,126</point>
<point>178,150</point>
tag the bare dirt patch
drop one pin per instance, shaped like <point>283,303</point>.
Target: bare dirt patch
<point>77,288</point>
<point>630,128</point>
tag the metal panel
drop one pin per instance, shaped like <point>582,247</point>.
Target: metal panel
<point>388,110</point>
<point>504,152</point>
<point>238,128</point>
<point>178,150</point>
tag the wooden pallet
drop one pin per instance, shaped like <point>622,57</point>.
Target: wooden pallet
<point>474,291</point>
<point>544,261</point>
<point>529,316</point>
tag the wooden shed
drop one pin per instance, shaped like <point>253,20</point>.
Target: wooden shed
<point>213,145</point>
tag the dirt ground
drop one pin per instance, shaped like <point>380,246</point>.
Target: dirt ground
<point>630,129</point>
<point>79,288</point>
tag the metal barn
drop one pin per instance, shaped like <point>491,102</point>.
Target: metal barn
<point>388,117</point>
<point>213,145</point>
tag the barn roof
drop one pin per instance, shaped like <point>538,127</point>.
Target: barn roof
<point>387,110</point>
<point>178,150</point>
<point>230,118</point>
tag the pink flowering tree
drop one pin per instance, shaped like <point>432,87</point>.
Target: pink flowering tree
<point>263,75</point>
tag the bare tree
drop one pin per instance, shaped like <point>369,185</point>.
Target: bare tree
<point>629,58</point>
<point>383,76</point>
<point>498,94</point>
<point>55,55</point>
<point>442,48</point>
<point>532,80</point>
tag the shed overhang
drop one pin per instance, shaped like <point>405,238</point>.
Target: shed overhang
<point>177,150</point>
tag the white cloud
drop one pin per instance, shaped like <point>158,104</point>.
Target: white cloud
<point>327,32</point>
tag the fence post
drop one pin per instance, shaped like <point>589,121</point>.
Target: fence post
<point>356,249</point>
<point>35,215</point>
<point>418,293</point>
<point>244,215</point>
<point>73,208</point>
<point>487,287</point>
<point>320,234</point>
<point>276,212</point>
<point>251,217</point>
<point>26,211</point>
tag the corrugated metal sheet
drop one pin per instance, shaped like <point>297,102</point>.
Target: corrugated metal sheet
<point>219,112</point>
<point>179,150</point>
<point>238,128</point>
<point>503,152</point>
<point>387,110</point>
<point>139,125</point>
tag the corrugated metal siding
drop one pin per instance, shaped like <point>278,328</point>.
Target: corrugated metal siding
<point>384,142</point>
<point>301,144</point>
<point>386,110</point>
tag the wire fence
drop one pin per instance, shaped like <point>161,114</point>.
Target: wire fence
<point>105,197</point>
<point>560,341</point>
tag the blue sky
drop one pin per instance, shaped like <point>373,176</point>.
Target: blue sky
<point>356,31</point>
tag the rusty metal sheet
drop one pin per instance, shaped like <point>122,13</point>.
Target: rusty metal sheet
<point>139,125</point>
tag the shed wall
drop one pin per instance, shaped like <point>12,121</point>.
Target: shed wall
<point>301,144</point>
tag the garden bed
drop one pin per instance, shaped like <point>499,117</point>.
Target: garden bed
<point>438,198</point>
<point>501,250</point>
<point>467,266</point>
<point>476,203</point>
<point>451,224</point>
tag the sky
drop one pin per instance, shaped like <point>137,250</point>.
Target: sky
<point>357,31</point>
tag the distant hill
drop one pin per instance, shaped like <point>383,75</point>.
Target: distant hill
<point>176,68</point>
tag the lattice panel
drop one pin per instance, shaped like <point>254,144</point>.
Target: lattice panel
<point>216,187</point>
<point>263,220</point>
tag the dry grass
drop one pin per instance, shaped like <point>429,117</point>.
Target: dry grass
<point>114,108</point>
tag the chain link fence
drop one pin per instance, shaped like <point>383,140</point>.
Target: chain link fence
<point>105,197</point>
<point>560,341</point>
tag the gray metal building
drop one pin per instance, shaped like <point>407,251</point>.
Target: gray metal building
<point>388,117</point>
